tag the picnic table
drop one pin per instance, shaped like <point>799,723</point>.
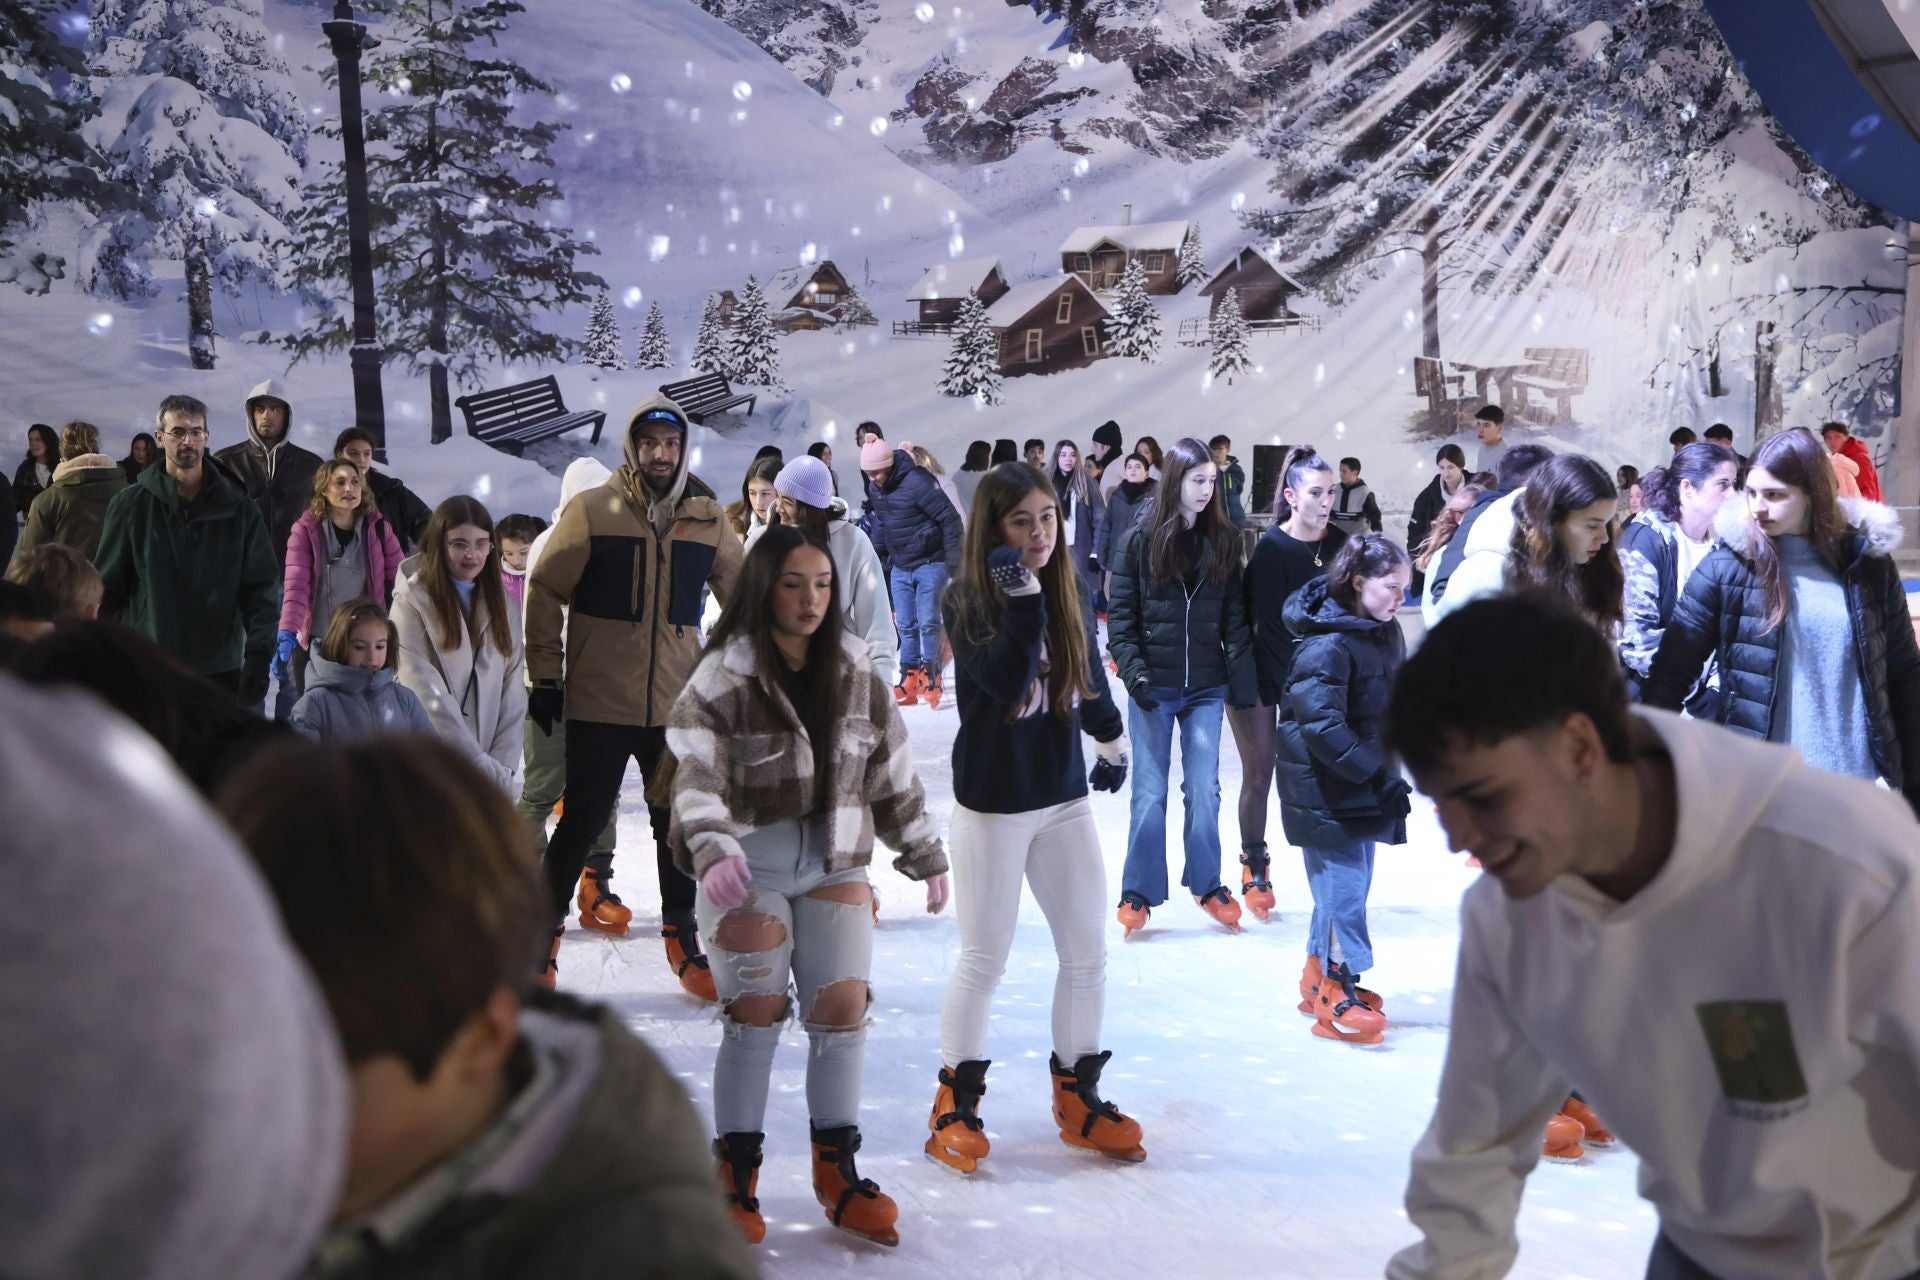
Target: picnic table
<point>1496,371</point>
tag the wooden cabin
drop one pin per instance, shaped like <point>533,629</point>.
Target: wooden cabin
<point>729,303</point>
<point>1099,255</point>
<point>807,296</point>
<point>1264,286</point>
<point>941,291</point>
<point>1047,325</point>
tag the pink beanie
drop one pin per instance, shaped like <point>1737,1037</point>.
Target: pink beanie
<point>875,455</point>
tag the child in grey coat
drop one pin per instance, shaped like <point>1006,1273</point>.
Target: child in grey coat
<point>352,694</point>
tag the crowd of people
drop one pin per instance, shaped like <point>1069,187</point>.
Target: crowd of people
<point>1602,712</point>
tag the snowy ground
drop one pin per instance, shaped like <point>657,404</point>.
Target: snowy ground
<point>1271,1153</point>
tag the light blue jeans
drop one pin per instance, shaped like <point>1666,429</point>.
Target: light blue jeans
<point>1340,878</point>
<point>916,608</point>
<point>1198,713</point>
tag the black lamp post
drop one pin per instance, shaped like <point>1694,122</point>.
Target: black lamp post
<point>349,39</point>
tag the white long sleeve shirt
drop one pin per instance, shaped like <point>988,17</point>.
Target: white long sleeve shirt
<point>1749,1023</point>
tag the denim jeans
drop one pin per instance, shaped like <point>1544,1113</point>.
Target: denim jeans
<point>916,608</point>
<point>1198,713</point>
<point>1340,878</point>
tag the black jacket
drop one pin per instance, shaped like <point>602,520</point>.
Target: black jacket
<point>404,511</point>
<point>1426,509</point>
<point>1331,771</point>
<point>1723,613</point>
<point>1170,635</point>
<point>1281,565</point>
<point>9,524</point>
<point>26,483</point>
<point>279,481</point>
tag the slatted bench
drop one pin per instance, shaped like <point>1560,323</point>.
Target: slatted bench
<point>708,394</point>
<point>511,418</point>
<point>1559,372</point>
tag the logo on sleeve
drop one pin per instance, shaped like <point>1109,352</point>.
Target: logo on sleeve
<point>1752,1046</point>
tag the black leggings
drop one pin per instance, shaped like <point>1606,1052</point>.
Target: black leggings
<point>597,756</point>
<point>1256,734</point>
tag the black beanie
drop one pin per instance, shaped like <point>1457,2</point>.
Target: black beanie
<point>1107,436</point>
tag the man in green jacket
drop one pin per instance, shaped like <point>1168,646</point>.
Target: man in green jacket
<point>184,557</point>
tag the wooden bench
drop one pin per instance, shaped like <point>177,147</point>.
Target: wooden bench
<point>1559,372</point>
<point>1430,382</point>
<point>705,395</point>
<point>511,418</point>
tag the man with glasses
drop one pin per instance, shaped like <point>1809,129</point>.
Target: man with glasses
<point>184,557</point>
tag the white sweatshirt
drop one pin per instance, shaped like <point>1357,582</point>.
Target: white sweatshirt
<point>1749,1023</point>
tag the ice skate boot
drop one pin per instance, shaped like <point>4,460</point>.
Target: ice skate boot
<point>1593,1133</point>
<point>1340,1014</point>
<point>1087,1121</point>
<point>548,975</point>
<point>959,1138</point>
<point>739,1156</point>
<point>930,687</point>
<point>1220,905</point>
<point>1132,915</point>
<point>1310,978</point>
<point>1562,1142</point>
<point>1255,888</point>
<point>907,692</point>
<point>688,960</point>
<point>853,1203</point>
<point>600,907</point>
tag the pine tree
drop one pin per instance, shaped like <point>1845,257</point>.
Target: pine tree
<point>1228,338</point>
<point>710,354</point>
<point>199,122</point>
<point>973,360</point>
<point>654,351</point>
<point>603,344</point>
<point>857,312</point>
<point>1193,261</point>
<point>42,154</point>
<point>468,257</point>
<point>1134,329</point>
<point>753,356</point>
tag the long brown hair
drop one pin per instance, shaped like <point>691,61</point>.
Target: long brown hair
<point>740,514</point>
<point>1798,459</point>
<point>1164,525</point>
<point>333,647</point>
<point>1447,523</point>
<point>1535,556</point>
<point>1077,483</point>
<point>323,477</point>
<point>978,604</point>
<point>443,595</point>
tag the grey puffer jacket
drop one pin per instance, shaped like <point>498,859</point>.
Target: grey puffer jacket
<point>1723,614</point>
<point>352,704</point>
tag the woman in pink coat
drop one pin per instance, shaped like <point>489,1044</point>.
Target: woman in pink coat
<point>341,548</point>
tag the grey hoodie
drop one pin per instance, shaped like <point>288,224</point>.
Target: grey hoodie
<point>173,1102</point>
<point>352,704</point>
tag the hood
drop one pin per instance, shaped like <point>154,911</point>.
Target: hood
<point>837,510</point>
<point>1312,611</point>
<point>581,475</point>
<point>1133,490</point>
<point>86,469</point>
<point>1876,526</point>
<point>659,507</point>
<point>271,389</point>
<point>224,488</point>
<point>1493,529</point>
<point>323,674</point>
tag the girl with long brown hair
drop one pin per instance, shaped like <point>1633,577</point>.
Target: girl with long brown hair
<point>1027,668</point>
<point>460,648</point>
<point>1562,542</point>
<point>754,509</point>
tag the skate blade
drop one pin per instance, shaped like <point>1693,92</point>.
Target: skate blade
<point>1553,1159</point>
<point>1132,1155</point>
<point>1328,1031</point>
<point>946,1159</point>
<point>604,930</point>
<point>1594,1144</point>
<point>889,1238</point>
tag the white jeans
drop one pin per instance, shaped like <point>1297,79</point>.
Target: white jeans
<point>1057,851</point>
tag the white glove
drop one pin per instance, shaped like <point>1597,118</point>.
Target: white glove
<point>1114,752</point>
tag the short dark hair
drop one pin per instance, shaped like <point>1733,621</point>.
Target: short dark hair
<point>867,426</point>
<point>1490,413</point>
<point>1719,431</point>
<point>1217,441</point>
<point>369,833</point>
<point>179,404</point>
<point>352,435</point>
<point>1351,464</point>
<point>1453,453</point>
<point>1034,444</point>
<point>1841,427</point>
<point>771,451</point>
<point>1520,462</point>
<point>520,527</point>
<point>1681,436</point>
<point>1462,687</point>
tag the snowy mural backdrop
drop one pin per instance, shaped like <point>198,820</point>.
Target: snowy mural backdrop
<point>1346,222</point>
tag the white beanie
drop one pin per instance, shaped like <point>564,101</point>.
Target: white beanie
<point>806,479</point>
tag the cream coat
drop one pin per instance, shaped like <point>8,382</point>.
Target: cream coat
<point>477,700</point>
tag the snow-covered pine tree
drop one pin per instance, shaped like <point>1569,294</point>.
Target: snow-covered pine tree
<point>1192,268</point>
<point>468,255</point>
<point>603,346</point>
<point>973,359</point>
<point>710,353</point>
<point>654,351</point>
<point>1228,339</point>
<point>1134,327</point>
<point>753,356</point>
<point>42,154</point>
<point>857,312</point>
<point>200,124</point>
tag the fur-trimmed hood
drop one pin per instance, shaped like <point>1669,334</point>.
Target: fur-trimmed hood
<point>72,468</point>
<point>1877,527</point>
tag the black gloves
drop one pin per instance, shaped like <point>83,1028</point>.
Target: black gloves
<point>1107,776</point>
<point>1395,796</point>
<point>1139,693</point>
<point>545,706</point>
<point>255,669</point>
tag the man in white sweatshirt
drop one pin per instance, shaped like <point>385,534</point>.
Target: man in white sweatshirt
<point>1719,944</point>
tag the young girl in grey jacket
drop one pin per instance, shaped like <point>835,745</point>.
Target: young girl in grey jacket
<point>351,691</point>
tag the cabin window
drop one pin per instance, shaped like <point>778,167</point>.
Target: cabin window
<point>1085,261</point>
<point>1155,263</point>
<point>1063,311</point>
<point>1090,340</point>
<point>1035,340</point>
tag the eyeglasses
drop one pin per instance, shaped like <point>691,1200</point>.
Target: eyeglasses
<point>180,435</point>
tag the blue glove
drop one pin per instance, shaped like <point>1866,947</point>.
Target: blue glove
<point>284,643</point>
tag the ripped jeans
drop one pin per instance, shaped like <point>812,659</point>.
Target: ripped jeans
<point>804,927</point>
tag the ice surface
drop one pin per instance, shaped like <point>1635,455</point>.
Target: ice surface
<point>1271,1153</point>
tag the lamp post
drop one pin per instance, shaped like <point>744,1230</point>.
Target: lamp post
<point>349,39</point>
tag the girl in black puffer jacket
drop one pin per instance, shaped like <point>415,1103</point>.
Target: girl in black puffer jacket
<point>1177,629</point>
<point>1804,610</point>
<point>1338,794</point>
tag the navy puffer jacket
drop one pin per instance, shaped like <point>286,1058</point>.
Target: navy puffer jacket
<point>1723,614</point>
<point>1169,635</point>
<point>910,518</point>
<point>1331,770</point>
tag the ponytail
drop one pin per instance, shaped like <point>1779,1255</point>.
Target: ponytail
<point>1302,460</point>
